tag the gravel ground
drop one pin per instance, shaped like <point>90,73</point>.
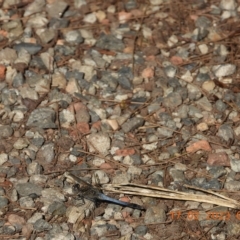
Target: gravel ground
<point>120,92</point>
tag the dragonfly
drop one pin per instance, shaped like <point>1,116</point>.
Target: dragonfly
<point>95,194</point>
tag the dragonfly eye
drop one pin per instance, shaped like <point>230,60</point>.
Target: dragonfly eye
<point>76,188</point>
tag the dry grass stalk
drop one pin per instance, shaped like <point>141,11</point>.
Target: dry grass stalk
<point>159,192</point>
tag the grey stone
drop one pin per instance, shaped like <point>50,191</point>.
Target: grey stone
<point>34,168</point>
<point>34,7</point>
<point>199,34</point>
<point>56,9</point>
<point>5,131</point>
<point>125,229</point>
<point>31,48</point>
<point>204,104</point>
<point>47,35</point>
<point>155,214</point>
<point>165,132</point>
<point>82,115</point>
<point>50,194</point>
<point>195,112</point>
<point>182,111</point>
<point>3,202</point>
<point>74,37</point>
<point>57,208</point>
<point>56,96</point>
<point>124,82</point>
<point>37,140</point>
<point>172,100</point>
<point>220,105</point>
<point>42,118</point>
<point>132,124</point>
<point>121,178</point>
<point>9,230</point>
<point>217,171</point>
<point>18,80</point>
<point>226,132</point>
<point>12,172</point>
<point>124,77</point>
<point>26,202</point>
<point>9,96</point>
<point>25,189</point>
<point>42,225</point>
<point>203,22</point>
<point>130,4</point>
<point>57,23</point>
<point>177,175</point>
<point>99,229</point>
<point>46,154</point>
<point>110,42</point>
<point>203,183</point>
<point>141,230</point>
<point>233,229</point>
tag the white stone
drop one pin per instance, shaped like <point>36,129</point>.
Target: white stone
<point>58,80</point>
<point>90,18</point>
<point>90,41</point>
<point>132,170</point>
<point>98,142</point>
<point>98,161</point>
<point>47,59</point>
<point>18,115</point>
<point>203,48</point>
<point>187,76</point>
<point>10,74</point>
<point>37,21</point>
<point>128,160</point>
<point>237,131</point>
<point>101,15</point>
<point>86,33</point>
<point>224,70</point>
<point>172,41</point>
<point>113,123</point>
<point>208,85</point>
<point>147,32</point>
<point>111,9</point>
<point>72,86</point>
<point>150,146</point>
<point>27,92</point>
<point>23,57</point>
<point>79,3</point>
<point>43,86</point>
<point>72,158</point>
<point>68,117</point>
<point>226,15</point>
<point>3,158</point>
<point>100,176</point>
<point>156,2</point>
<point>229,5</point>
<point>202,127</point>
<point>88,71</point>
